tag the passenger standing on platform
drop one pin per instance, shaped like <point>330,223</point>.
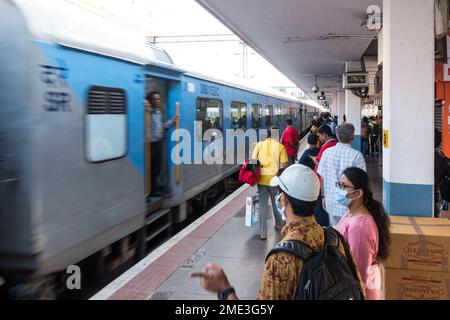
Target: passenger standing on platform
<point>289,140</point>
<point>272,157</point>
<point>365,136</point>
<point>314,127</point>
<point>333,162</point>
<point>375,136</point>
<point>365,226</point>
<point>327,140</point>
<point>333,126</point>
<point>282,270</point>
<point>312,151</point>
<point>157,128</point>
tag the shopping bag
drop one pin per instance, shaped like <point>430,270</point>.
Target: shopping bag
<point>249,173</point>
<point>251,210</point>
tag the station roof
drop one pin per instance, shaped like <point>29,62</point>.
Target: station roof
<point>301,38</point>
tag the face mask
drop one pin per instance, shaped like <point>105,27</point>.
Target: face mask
<point>340,196</point>
<point>281,210</point>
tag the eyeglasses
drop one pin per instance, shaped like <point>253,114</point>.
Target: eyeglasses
<point>342,186</point>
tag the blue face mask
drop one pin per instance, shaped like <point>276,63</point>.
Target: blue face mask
<point>340,196</point>
<point>281,210</point>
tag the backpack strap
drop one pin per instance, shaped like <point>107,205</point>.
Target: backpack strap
<point>331,237</point>
<point>331,232</point>
<point>293,247</point>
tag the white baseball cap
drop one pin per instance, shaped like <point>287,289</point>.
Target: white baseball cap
<point>299,182</point>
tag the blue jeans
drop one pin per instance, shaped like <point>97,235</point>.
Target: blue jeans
<point>365,146</point>
<point>264,193</point>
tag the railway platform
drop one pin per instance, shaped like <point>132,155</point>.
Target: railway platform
<point>219,237</point>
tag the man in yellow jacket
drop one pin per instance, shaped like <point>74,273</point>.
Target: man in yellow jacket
<point>272,157</point>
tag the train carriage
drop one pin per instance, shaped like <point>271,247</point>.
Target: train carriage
<point>74,153</point>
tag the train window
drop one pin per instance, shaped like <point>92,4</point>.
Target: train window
<point>278,116</point>
<point>238,115</point>
<point>210,114</point>
<point>257,113</point>
<point>269,115</point>
<point>106,124</point>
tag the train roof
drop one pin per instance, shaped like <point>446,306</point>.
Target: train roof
<point>247,85</point>
<point>48,21</point>
<point>90,29</point>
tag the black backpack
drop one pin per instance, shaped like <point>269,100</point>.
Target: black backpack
<point>325,275</point>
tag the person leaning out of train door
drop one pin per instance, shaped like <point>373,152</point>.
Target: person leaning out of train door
<point>157,128</point>
<point>272,157</point>
<point>290,140</point>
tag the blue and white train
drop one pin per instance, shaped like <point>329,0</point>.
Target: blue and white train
<point>74,154</point>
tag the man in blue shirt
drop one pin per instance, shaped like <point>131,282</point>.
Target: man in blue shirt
<point>312,151</point>
<point>156,135</point>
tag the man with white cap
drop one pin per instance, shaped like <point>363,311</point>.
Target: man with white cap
<point>298,188</point>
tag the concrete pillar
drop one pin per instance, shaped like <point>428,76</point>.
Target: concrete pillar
<point>341,105</point>
<point>408,97</point>
<point>353,106</point>
<point>334,104</point>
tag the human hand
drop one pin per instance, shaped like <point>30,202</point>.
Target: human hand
<point>213,278</point>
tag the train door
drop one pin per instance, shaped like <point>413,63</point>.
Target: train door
<point>156,151</point>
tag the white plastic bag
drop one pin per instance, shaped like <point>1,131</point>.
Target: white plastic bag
<point>251,210</point>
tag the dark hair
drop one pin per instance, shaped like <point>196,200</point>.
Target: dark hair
<point>360,180</point>
<point>313,139</point>
<point>289,122</point>
<point>299,207</point>
<point>365,119</point>
<point>150,95</point>
<point>325,129</point>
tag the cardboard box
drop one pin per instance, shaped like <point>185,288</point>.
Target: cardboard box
<point>251,210</point>
<point>416,285</point>
<point>419,244</point>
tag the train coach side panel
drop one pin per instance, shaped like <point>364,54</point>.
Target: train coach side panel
<point>84,205</point>
<point>19,236</point>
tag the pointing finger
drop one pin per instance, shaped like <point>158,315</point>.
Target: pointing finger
<point>196,274</point>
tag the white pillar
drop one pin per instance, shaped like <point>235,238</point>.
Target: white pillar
<point>334,104</point>
<point>408,97</point>
<point>341,105</point>
<point>353,106</point>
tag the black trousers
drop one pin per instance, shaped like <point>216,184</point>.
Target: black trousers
<point>322,216</point>
<point>156,158</point>
<point>374,144</point>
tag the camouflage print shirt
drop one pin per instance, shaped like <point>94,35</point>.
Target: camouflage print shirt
<point>282,270</point>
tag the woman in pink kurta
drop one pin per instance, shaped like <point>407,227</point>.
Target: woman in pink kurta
<point>365,226</point>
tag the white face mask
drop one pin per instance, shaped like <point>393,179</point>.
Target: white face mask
<point>281,210</point>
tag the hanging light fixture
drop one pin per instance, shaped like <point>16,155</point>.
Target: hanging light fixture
<point>315,87</point>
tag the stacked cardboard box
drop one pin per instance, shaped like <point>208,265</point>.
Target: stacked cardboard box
<point>418,266</point>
